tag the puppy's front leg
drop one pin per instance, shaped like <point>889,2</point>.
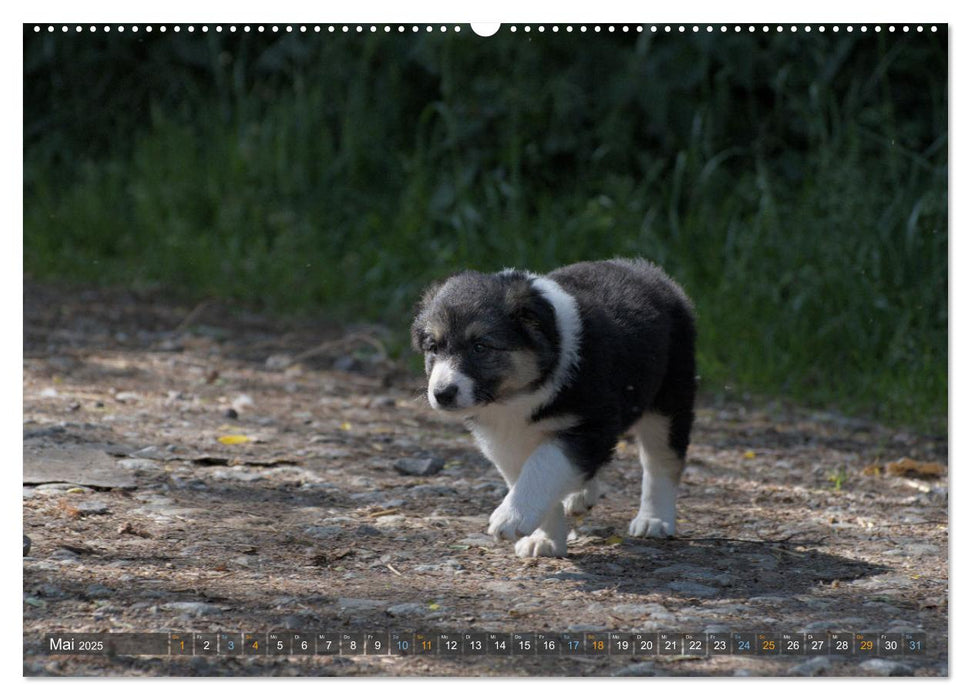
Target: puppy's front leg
<point>547,476</point>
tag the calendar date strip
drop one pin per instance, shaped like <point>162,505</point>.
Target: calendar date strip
<point>627,644</point>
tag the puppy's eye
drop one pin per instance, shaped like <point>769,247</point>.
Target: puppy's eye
<point>479,348</point>
<point>431,346</point>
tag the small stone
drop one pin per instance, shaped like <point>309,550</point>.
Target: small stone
<point>241,403</point>
<point>645,668</point>
<point>195,609</point>
<point>886,667</point>
<point>360,604</point>
<point>26,545</point>
<point>813,667</point>
<point>419,467</point>
<point>367,531</point>
<point>479,540</point>
<point>91,508</point>
<point>97,590</point>
<point>64,554</point>
<point>278,362</point>
<point>49,590</point>
<point>407,610</point>
<point>137,464</point>
<point>231,414</point>
<point>692,588</point>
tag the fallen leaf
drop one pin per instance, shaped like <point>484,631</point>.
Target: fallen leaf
<point>614,539</point>
<point>913,469</point>
<point>234,439</point>
<point>749,454</point>
<point>345,426</point>
<point>434,606</point>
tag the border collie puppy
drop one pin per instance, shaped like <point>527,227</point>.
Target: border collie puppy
<point>549,371</point>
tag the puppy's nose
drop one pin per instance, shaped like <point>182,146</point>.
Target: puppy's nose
<point>446,396</point>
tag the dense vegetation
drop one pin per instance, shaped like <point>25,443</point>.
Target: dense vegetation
<point>796,184</point>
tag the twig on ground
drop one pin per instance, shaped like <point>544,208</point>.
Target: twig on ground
<point>193,315</point>
<point>338,344</point>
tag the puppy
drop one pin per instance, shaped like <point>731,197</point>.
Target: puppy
<point>549,371</point>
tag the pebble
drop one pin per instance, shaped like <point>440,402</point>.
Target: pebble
<point>367,531</point>
<point>49,590</point>
<point>137,464</point>
<point>65,555</point>
<point>595,530</point>
<point>419,467</point>
<point>813,667</point>
<point>479,540</point>
<point>191,608</point>
<point>26,545</point>
<point>446,565</point>
<point>97,590</point>
<point>407,609</point>
<point>652,611</point>
<point>886,667</point>
<point>692,588</point>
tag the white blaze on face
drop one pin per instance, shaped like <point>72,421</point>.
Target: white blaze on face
<point>445,374</point>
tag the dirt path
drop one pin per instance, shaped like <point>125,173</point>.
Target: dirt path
<point>141,519</point>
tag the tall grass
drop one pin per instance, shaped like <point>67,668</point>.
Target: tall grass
<point>797,186</point>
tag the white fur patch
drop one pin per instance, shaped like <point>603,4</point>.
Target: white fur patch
<point>549,540</point>
<point>659,484</point>
<point>546,477</point>
<point>444,374</point>
<point>569,326</point>
<point>507,438</point>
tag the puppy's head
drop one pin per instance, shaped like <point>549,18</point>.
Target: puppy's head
<point>486,339</point>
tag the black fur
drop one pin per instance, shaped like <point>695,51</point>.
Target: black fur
<point>637,355</point>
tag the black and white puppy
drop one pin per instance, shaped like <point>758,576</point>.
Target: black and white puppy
<point>549,371</point>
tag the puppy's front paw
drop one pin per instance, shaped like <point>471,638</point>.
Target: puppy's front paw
<point>539,544</point>
<point>510,522</point>
<point>646,526</point>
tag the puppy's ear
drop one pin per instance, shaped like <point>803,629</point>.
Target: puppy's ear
<point>418,326</point>
<point>532,311</point>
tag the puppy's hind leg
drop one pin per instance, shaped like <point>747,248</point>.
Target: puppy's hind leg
<point>579,502</point>
<point>662,467</point>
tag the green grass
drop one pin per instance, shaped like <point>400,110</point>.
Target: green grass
<point>819,272</point>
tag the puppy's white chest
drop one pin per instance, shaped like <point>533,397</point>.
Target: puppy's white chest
<point>507,437</point>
